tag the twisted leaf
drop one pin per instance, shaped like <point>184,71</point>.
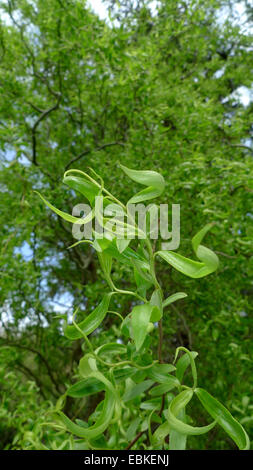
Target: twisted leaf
<point>232,427</point>
<point>208,259</point>
<point>178,404</point>
<point>91,322</point>
<point>65,216</point>
<point>154,181</point>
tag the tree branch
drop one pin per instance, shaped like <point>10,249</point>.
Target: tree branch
<point>85,152</point>
<point>41,117</point>
<point>34,351</point>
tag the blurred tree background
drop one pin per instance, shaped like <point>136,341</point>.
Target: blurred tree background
<point>164,87</point>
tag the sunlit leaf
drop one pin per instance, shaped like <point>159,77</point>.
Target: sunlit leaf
<point>154,181</point>
<point>83,186</point>
<point>87,365</point>
<point>122,244</point>
<point>65,216</point>
<point>196,269</point>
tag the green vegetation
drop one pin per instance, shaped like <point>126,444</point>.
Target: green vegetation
<point>153,90</point>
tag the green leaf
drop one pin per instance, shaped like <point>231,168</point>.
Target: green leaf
<point>65,216</point>
<point>195,269</point>
<point>87,365</point>
<point>189,267</point>
<point>122,244</point>
<point>91,322</point>
<point>159,372</point>
<point>111,348</point>
<point>152,417</point>
<point>178,404</point>
<point>126,257</point>
<point>85,387</point>
<point>182,364</point>
<point>154,181</point>
<point>160,434</point>
<point>123,373</point>
<point>165,387</point>
<point>154,403</point>
<point>88,369</point>
<point>101,424</point>
<point>83,186</point>
<point>223,417</point>
<point>172,298</point>
<point>126,327</point>
<point>106,264</point>
<point>156,300</point>
<point>131,431</point>
<point>140,318</point>
<point>137,390</point>
<point>144,275</point>
<point>142,281</point>
<point>177,440</point>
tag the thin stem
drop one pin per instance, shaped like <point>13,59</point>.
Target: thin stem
<point>158,287</point>
<point>84,336</point>
<point>162,405</point>
<point>108,364</point>
<point>128,292</point>
<point>160,343</point>
<point>152,265</point>
<point>116,313</point>
<point>137,437</point>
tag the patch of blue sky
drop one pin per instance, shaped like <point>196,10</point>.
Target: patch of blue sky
<point>243,94</point>
<point>24,250</point>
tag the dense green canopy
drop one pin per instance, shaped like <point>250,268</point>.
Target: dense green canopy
<point>151,88</point>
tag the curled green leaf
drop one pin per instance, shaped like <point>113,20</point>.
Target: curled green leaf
<point>65,216</point>
<point>183,363</point>
<point>223,417</point>
<point>178,440</point>
<point>154,181</point>
<point>196,269</point>
<point>91,322</point>
<point>111,348</point>
<point>178,404</point>
<point>100,425</point>
<point>87,188</point>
